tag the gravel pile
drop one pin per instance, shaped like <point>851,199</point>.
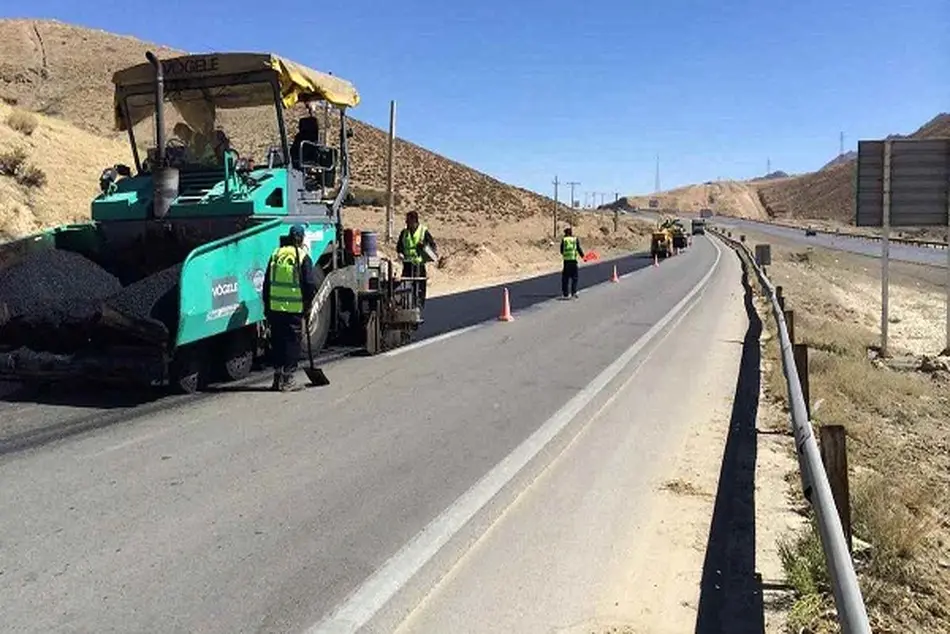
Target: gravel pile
<point>155,297</point>
<point>50,288</point>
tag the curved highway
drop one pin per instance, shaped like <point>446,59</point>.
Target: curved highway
<point>860,246</point>
<point>331,508</point>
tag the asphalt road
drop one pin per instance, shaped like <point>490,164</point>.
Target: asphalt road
<point>29,416</point>
<point>871,248</point>
<point>255,511</point>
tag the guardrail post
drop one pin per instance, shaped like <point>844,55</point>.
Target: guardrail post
<point>780,297</point>
<point>790,323</point>
<point>834,457</point>
<point>800,352</point>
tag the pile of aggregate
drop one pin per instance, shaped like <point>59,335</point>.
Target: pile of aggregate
<point>50,288</point>
<point>154,297</point>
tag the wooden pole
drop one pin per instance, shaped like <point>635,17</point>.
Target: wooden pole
<point>834,456</point>
<point>800,353</point>
<point>390,202</point>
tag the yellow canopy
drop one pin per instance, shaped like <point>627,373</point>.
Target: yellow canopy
<point>297,82</point>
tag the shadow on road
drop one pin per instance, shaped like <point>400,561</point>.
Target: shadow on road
<point>79,395</point>
<point>460,310</point>
<point>731,591</point>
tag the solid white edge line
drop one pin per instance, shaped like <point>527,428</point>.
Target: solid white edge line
<point>377,590</point>
<point>435,339</point>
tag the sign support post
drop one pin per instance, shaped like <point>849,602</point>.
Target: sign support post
<point>885,247</point>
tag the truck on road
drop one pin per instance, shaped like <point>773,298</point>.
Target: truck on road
<point>163,285</point>
<point>698,226</point>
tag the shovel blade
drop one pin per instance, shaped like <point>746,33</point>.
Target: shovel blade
<point>316,377</point>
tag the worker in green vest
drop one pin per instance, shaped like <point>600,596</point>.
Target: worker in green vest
<point>288,294</point>
<point>410,246</point>
<point>570,251</point>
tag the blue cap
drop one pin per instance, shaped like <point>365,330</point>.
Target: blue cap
<point>297,231</point>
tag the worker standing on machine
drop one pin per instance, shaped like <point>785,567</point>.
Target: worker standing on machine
<point>410,246</point>
<point>288,293</point>
<point>570,250</point>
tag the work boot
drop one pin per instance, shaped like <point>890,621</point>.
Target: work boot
<point>288,382</point>
<point>275,386</point>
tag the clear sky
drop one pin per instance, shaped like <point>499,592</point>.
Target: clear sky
<point>592,90</point>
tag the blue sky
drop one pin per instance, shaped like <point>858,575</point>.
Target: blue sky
<point>593,90</point>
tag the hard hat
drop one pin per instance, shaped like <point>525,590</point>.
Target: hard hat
<point>297,231</point>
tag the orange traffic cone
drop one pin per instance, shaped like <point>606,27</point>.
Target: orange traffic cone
<point>506,309</point>
<point>614,278</point>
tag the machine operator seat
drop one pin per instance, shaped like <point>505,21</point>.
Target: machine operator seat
<point>307,130</point>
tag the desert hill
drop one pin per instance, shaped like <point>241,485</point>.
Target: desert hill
<point>729,198</point>
<point>828,194</point>
<point>59,77</point>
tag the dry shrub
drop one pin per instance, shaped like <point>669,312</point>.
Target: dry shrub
<point>11,161</point>
<point>898,522</point>
<point>31,176</point>
<point>803,562</point>
<point>23,122</point>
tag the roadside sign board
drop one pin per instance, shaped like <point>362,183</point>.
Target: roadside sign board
<point>919,174</point>
<point>763,254</point>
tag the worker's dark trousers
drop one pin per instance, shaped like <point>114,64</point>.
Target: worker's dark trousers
<point>417,270</point>
<point>569,276</point>
<point>285,332</point>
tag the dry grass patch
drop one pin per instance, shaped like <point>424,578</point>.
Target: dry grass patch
<point>22,121</point>
<point>684,487</point>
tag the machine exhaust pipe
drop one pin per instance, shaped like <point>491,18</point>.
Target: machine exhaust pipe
<point>164,178</point>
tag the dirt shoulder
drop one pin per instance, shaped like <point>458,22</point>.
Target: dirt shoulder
<point>895,415</point>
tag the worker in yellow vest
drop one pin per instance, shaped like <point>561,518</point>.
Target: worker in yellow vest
<point>288,294</point>
<point>570,251</point>
<point>410,245</point>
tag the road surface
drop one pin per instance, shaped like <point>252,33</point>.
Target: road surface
<point>872,248</point>
<point>29,417</point>
<point>252,511</point>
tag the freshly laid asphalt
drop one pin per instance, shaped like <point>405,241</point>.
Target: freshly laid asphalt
<point>255,511</point>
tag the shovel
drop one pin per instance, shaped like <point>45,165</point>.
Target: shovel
<point>315,375</point>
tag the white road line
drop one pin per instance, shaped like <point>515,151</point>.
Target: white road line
<point>377,590</point>
<point>437,338</point>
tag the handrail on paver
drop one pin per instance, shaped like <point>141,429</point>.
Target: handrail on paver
<point>852,613</point>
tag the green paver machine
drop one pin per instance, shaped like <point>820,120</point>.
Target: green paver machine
<point>205,206</point>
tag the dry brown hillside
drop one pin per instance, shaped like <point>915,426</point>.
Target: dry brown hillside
<point>828,194</point>
<point>61,75</point>
<point>730,198</point>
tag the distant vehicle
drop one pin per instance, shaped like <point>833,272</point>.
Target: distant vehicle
<point>705,213</point>
<point>698,226</point>
<point>810,231</point>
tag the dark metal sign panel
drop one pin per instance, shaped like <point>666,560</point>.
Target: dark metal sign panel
<point>919,183</point>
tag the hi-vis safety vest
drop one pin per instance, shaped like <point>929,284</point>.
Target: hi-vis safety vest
<point>570,248</point>
<point>286,295</point>
<point>411,244</point>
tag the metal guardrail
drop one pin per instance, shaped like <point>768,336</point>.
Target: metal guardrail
<point>852,613</point>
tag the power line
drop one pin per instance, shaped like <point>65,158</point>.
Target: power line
<point>572,185</point>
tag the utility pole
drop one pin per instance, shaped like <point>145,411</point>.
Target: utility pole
<point>841,144</point>
<point>556,183</point>
<point>389,178</point>
<point>572,185</point>
<point>616,211</point>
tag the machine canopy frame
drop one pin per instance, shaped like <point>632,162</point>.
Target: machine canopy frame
<point>242,73</point>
